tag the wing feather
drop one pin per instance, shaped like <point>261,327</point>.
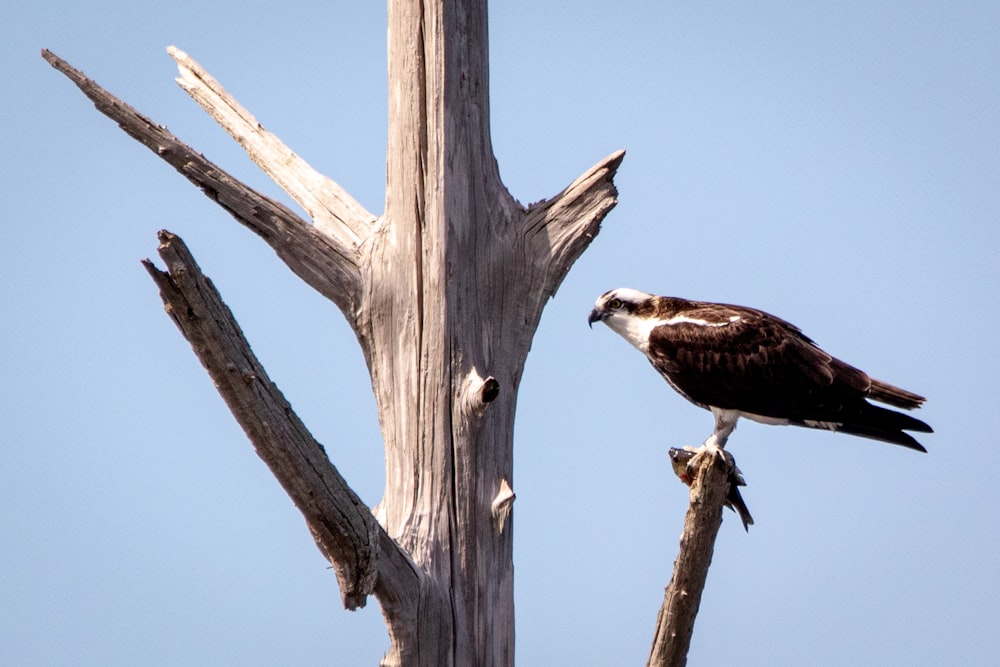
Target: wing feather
<point>744,359</point>
<point>739,358</point>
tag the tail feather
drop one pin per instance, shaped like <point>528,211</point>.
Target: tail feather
<point>887,425</point>
<point>879,417</point>
<point>895,437</point>
<point>891,395</point>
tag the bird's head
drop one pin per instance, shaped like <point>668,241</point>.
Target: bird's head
<point>630,313</point>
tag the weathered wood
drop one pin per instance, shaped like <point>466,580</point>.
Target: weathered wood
<point>682,597</point>
<point>467,272</point>
<point>444,292</point>
<point>327,265</point>
<point>344,528</point>
<point>333,211</point>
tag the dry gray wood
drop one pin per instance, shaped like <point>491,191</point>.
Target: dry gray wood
<point>328,266</point>
<point>463,274</point>
<point>682,597</point>
<point>444,292</point>
<point>362,554</point>
<point>332,209</point>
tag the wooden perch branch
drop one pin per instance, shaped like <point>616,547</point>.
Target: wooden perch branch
<point>675,622</point>
<point>331,208</point>
<point>322,261</point>
<point>364,557</point>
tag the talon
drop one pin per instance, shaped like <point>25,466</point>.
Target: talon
<point>683,460</point>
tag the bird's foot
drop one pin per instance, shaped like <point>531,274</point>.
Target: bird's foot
<point>712,441</point>
<point>685,462</point>
<point>714,447</point>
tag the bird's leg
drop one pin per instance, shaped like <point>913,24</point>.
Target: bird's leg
<point>725,424</point>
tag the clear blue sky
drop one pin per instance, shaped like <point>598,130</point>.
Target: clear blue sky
<point>837,164</point>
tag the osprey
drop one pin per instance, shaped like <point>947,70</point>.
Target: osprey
<point>742,362</point>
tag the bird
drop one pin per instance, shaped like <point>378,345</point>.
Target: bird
<point>742,362</point>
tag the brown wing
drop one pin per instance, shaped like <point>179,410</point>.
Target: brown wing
<point>747,360</point>
<point>744,359</point>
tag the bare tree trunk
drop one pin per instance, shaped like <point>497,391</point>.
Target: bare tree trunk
<point>682,597</point>
<point>432,334</point>
<point>444,292</point>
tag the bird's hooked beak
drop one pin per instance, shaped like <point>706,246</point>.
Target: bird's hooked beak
<point>595,316</point>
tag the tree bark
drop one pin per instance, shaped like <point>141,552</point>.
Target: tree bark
<point>682,597</point>
<point>364,557</point>
<point>444,292</point>
<point>463,274</point>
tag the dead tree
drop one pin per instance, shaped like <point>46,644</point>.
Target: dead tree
<point>444,292</point>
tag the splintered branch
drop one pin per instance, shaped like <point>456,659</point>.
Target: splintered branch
<point>324,262</point>
<point>560,229</point>
<point>331,208</point>
<point>675,622</point>
<point>366,560</point>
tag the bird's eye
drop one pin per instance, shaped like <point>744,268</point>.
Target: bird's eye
<point>615,304</point>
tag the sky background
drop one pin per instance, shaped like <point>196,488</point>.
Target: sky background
<point>835,163</point>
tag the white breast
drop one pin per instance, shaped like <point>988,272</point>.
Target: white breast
<point>635,330</point>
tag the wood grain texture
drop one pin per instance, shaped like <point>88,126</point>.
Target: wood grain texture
<point>320,260</point>
<point>343,526</point>
<point>444,291</point>
<point>675,622</point>
<point>333,211</point>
